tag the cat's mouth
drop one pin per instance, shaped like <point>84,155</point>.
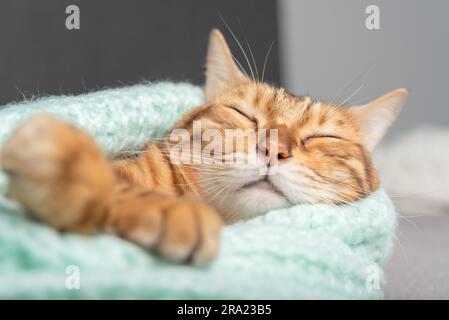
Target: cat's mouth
<point>264,184</point>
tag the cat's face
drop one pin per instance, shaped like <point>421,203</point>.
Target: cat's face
<point>321,153</point>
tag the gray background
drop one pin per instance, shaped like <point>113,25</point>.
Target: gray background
<point>325,45</point>
<point>120,42</point>
<point>325,49</point>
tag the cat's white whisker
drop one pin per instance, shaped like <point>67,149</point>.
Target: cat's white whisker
<point>250,51</point>
<point>239,45</point>
<point>266,60</point>
<point>352,95</point>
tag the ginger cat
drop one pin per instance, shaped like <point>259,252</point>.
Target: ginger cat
<point>323,151</point>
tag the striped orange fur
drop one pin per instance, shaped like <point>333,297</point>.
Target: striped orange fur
<point>176,209</point>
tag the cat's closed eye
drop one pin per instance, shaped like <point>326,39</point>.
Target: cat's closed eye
<point>237,110</point>
<point>319,136</point>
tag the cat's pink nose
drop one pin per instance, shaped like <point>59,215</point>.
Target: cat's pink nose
<point>274,151</point>
<point>276,147</point>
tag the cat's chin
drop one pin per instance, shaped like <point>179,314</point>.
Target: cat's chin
<point>250,201</point>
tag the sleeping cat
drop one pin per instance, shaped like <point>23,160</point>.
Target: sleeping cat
<point>322,155</point>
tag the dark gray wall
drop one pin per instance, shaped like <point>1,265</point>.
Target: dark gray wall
<point>327,48</point>
<point>120,42</point>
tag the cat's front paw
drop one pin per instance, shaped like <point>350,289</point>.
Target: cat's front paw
<point>191,232</point>
<point>177,229</point>
<point>57,172</point>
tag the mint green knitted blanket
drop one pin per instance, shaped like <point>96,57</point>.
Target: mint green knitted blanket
<point>303,252</point>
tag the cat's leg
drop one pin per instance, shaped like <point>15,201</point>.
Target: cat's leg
<point>61,176</point>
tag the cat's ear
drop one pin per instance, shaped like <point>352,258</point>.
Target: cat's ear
<point>221,70</point>
<point>375,117</point>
